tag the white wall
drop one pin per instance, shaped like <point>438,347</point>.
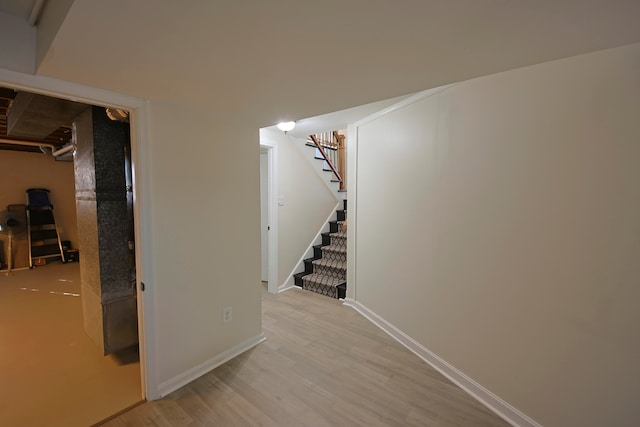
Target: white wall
<point>205,232</point>
<point>305,202</point>
<point>51,18</point>
<point>498,224</point>
<point>20,171</point>
<point>19,41</point>
<point>200,221</point>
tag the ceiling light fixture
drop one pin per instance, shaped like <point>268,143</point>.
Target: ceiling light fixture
<point>286,126</point>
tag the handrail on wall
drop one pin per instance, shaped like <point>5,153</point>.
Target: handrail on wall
<point>331,145</point>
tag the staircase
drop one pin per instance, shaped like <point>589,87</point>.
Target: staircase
<point>326,272</point>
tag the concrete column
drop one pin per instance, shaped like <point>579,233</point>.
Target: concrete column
<point>104,229</point>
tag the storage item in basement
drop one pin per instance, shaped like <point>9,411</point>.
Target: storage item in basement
<point>44,239</point>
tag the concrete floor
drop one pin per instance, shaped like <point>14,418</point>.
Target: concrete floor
<point>51,373</point>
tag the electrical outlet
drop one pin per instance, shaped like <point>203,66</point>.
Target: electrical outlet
<point>226,315</point>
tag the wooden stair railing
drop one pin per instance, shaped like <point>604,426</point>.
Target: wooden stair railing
<point>331,146</point>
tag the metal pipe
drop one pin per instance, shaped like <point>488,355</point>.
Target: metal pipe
<point>27,143</point>
<point>65,149</point>
<point>35,12</point>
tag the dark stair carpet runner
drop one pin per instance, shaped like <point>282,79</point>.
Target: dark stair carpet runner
<point>326,272</point>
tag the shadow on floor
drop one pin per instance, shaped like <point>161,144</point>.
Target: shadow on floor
<point>127,356</point>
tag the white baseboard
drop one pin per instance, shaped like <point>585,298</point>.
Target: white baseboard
<point>501,408</point>
<point>186,377</point>
<point>286,288</point>
<point>287,283</point>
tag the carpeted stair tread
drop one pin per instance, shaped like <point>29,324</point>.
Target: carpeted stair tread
<point>322,279</point>
<point>321,284</point>
<point>338,249</point>
<point>329,265</point>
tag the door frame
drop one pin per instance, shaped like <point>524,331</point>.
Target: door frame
<point>139,124</point>
<point>272,215</point>
<point>264,215</point>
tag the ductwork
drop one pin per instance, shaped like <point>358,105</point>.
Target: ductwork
<point>34,116</point>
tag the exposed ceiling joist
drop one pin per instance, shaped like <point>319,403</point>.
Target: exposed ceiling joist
<point>37,116</point>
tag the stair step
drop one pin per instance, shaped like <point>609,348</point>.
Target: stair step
<point>331,267</point>
<point>322,279</point>
<point>311,144</point>
<point>340,235</point>
<point>317,251</point>
<point>308,265</point>
<point>330,262</point>
<point>297,278</point>
<point>326,239</point>
<point>335,226</point>
<point>335,258</point>
<point>322,284</point>
<point>334,249</point>
<point>330,271</point>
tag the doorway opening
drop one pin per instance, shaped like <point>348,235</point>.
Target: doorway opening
<point>269,215</point>
<point>54,363</point>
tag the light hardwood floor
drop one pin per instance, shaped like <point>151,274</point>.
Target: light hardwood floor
<point>323,364</point>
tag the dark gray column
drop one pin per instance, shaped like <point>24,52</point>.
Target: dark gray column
<point>104,229</point>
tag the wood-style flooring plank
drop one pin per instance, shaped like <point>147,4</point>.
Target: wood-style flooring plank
<point>323,364</point>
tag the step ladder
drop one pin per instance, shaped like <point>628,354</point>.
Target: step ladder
<point>44,239</point>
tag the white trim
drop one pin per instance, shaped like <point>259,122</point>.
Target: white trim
<point>139,110</point>
<point>307,253</point>
<point>265,226</point>
<point>274,191</point>
<point>352,208</point>
<point>68,90</point>
<point>272,214</point>
<point>169,386</point>
<point>140,146</point>
<point>501,408</point>
<point>287,288</point>
<point>407,101</point>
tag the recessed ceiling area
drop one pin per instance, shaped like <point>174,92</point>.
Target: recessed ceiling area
<point>32,118</point>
